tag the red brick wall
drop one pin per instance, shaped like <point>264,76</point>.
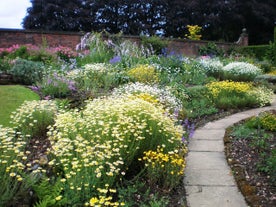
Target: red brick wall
<point>9,37</point>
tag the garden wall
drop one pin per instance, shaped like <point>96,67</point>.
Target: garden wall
<point>9,37</point>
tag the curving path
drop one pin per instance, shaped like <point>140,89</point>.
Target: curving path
<point>208,178</point>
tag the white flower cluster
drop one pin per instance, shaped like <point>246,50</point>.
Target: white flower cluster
<point>211,66</point>
<point>88,69</point>
<point>164,96</point>
<point>263,95</point>
<point>242,68</point>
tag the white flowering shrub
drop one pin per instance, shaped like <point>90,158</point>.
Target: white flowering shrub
<point>97,146</point>
<point>262,95</point>
<point>163,95</point>
<point>94,77</point>
<point>33,117</point>
<point>212,67</point>
<point>12,167</point>
<point>241,71</point>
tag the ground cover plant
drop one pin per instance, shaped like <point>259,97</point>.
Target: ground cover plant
<point>113,123</point>
<point>251,155</point>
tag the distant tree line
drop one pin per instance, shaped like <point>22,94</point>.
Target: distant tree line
<point>220,19</point>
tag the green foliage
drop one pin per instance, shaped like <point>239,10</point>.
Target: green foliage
<point>5,66</point>
<point>211,49</point>
<point>96,79</point>
<point>198,104</point>
<point>269,165</point>
<point>100,51</point>
<point>257,130</point>
<point>255,51</point>
<point>135,193</point>
<point>229,94</point>
<point>56,86</point>
<point>27,72</point>
<point>49,193</point>
<point>163,169</point>
<point>271,50</point>
<point>154,42</point>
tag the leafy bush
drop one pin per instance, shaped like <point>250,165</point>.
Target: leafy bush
<point>96,78</point>
<point>211,49</point>
<point>256,51</point>
<point>198,103</point>
<point>100,51</point>
<point>27,72</point>
<point>229,94</point>
<point>265,120</point>
<point>154,42</point>
<point>55,86</point>
<point>241,71</point>
<point>143,74</point>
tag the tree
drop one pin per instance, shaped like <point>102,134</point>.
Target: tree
<point>219,19</point>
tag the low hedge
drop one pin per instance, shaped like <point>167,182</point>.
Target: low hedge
<point>257,51</point>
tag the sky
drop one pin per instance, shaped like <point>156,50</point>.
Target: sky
<point>12,13</point>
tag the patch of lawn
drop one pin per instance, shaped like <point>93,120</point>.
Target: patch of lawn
<point>11,97</point>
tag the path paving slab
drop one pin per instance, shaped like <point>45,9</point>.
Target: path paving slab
<point>207,146</point>
<point>215,196</point>
<point>206,160</point>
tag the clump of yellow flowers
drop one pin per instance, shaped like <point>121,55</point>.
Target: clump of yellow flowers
<point>144,74</point>
<point>164,169</point>
<point>194,32</point>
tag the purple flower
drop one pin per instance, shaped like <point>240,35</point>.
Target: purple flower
<point>189,130</point>
<point>35,88</point>
<point>115,60</point>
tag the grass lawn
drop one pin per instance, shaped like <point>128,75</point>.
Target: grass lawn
<point>11,97</point>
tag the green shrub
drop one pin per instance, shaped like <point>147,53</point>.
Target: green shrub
<point>56,86</point>
<point>198,103</point>
<point>211,49</point>
<point>257,51</point>
<point>229,94</point>
<point>95,79</point>
<point>271,51</point>
<point>154,42</point>
<point>27,72</point>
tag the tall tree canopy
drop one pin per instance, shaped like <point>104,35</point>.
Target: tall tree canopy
<point>220,19</point>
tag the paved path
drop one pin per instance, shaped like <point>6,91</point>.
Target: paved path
<point>208,178</point>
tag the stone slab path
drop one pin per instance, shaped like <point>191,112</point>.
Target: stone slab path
<point>208,178</point>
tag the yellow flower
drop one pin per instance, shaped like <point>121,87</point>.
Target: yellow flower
<point>93,201</point>
<point>58,198</point>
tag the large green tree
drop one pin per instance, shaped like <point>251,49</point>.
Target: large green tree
<point>220,19</point>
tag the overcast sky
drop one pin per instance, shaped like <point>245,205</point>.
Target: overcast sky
<point>12,13</point>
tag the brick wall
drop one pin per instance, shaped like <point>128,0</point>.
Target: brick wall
<point>9,37</point>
